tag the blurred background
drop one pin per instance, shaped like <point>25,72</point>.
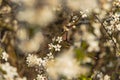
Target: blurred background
<point>60,39</point>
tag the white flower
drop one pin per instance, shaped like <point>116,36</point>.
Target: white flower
<point>43,62</point>
<point>11,71</point>
<point>40,77</point>
<point>57,47</point>
<point>50,55</point>
<point>84,15</point>
<point>59,39</point>
<point>106,77</point>
<point>100,75</point>
<point>32,60</point>
<point>50,46</point>
<point>5,56</point>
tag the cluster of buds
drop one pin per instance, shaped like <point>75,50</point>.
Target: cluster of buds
<point>75,20</point>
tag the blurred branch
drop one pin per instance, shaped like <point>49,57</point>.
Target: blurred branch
<point>115,45</point>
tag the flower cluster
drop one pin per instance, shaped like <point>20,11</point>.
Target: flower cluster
<point>40,77</point>
<point>33,60</point>
<point>100,76</point>
<point>5,56</point>
<point>112,24</point>
<point>117,3</point>
<point>11,72</point>
<point>55,44</point>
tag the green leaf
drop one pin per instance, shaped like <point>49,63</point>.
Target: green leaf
<point>79,54</point>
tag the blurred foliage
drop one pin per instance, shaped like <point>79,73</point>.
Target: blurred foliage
<point>84,78</point>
